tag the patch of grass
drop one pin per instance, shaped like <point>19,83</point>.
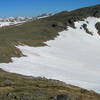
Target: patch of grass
<point>31,33</point>
<point>18,87</point>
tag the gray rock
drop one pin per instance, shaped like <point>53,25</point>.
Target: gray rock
<point>97,25</point>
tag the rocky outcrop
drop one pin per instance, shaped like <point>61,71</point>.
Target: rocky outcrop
<point>97,25</point>
<point>68,18</point>
<point>62,97</point>
<point>86,29</point>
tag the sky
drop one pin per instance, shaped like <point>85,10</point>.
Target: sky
<point>36,7</point>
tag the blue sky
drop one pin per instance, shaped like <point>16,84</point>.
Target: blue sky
<point>36,7</point>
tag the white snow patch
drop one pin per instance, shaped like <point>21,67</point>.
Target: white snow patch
<point>73,57</point>
<point>2,24</point>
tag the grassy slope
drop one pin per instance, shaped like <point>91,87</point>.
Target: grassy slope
<point>18,87</point>
<point>31,33</point>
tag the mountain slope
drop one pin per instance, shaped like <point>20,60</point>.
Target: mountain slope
<point>64,47</point>
<point>71,57</point>
<point>38,31</point>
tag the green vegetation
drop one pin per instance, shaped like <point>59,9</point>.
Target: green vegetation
<point>31,33</point>
<point>18,87</point>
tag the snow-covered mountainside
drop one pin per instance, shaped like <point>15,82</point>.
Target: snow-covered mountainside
<point>13,20</point>
<point>73,57</point>
<point>17,20</point>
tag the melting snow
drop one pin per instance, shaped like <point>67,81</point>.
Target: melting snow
<point>73,57</point>
<point>2,24</point>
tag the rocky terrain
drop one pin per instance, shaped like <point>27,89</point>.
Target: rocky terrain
<point>18,87</point>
